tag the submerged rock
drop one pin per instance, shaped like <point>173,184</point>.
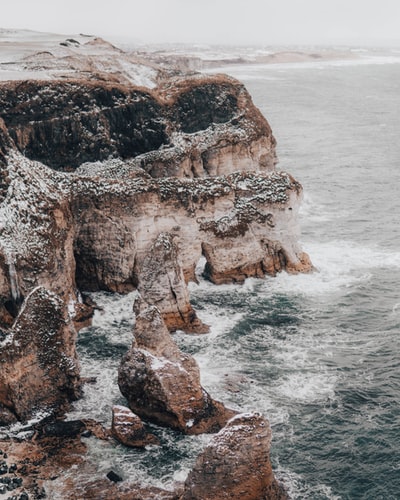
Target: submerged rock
<point>64,429</point>
<point>162,384</point>
<point>236,464</point>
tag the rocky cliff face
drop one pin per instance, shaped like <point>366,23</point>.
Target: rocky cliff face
<point>72,231</point>
<point>186,128</point>
<point>142,184</point>
<point>245,225</point>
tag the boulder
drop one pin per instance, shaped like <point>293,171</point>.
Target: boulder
<point>236,464</point>
<point>128,429</point>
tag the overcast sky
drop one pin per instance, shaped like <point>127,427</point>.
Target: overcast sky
<point>214,21</point>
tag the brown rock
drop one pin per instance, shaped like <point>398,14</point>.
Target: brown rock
<point>236,464</point>
<point>162,283</point>
<point>57,467</point>
<point>128,429</point>
<point>39,370</point>
<point>36,236</point>
<point>162,384</point>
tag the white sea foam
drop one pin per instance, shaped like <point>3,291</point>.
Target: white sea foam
<point>307,387</point>
<point>100,396</point>
<point>313,211</point>
<point>339,264</point>
<point>114,320</point>
<point>113,309</point>
<point>298,490</point>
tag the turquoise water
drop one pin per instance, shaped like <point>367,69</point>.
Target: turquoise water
<point>317,354</point>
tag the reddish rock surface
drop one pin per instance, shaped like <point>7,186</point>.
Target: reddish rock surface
<point>236,464</point>
<point>142,184</point>
<point>39,371</point>
<point>162,384</point>
<point>128,429</point>
<point>161,282</point>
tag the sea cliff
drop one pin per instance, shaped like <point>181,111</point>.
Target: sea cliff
<point>107,185</point>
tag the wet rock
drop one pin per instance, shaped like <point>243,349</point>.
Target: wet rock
<point>42,339</point>
<point>7,417</point>
<point>17,481</point>
<point>66,429</point>
<point>162,384</point>
<point>114,477</point>
<point>128,429</point>
<point>236,464</point>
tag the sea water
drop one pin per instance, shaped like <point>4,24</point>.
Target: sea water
<point>317,354</point>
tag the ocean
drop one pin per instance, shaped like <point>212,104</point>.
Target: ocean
<point>317,354</point>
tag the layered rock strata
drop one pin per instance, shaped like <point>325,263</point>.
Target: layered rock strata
<point>162,384</point>
<point>61,231</point>
<point>142,233</point>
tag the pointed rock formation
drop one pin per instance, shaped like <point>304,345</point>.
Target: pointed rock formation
<point>162,283</point>
<point>39,371</point>
<point>236,464</point>
<point>162,384</point>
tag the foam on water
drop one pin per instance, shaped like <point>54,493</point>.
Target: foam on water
<point>339,265</point>
<point>316,353</point>
<point>113,309</point>
<point>309,388</point>
<point>298,489</point>
<point>100,348</point>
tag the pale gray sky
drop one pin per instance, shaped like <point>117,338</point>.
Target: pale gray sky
<point>214,21</point>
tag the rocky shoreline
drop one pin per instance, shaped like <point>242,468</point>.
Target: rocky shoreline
<point>110,186</point>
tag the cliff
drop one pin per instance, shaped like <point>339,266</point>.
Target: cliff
<point>184,128</point>
<point>105,186</point>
